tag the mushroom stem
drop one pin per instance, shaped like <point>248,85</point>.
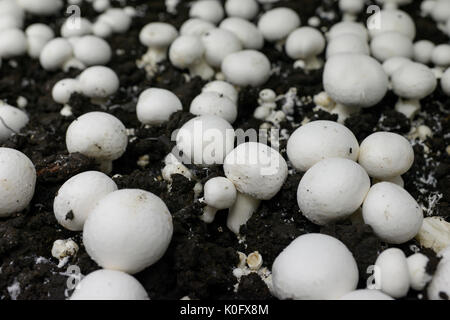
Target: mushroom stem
<point>241,211</point>
<point>349,17</point>
<point>105,166</point>
<point>409,107</point>
<point>155,55</point>
<point>202,69</point>
<point>311,63</point>
<point>209,213</point>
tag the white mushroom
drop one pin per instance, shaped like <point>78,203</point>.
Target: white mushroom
<point>366,294</point>
<point>278,23</point>
<point>219,193</point>
<point>56,54</point>
<point>331,190</point>
<point>393,64</point>
<point>305,44</point>
<point>364,86</point>
<point>38,34</point>
<point>109,285</point>
<point>11,15</point>
<point>78,196</point>
<point>13,43</point>
<point>249,35</point>
<point>116,18</point>
<point>246,68</point>
<point>391,21</point>
<point>98,83</point>
<point>224,88</point>
<point>92,50</point>
<point>12,120</point>
<point>195,27</point>
<point>393,272</point>
<point>42,7</point>
<point>18,177</point>
<point>128,230</point>
<point>63,90</point>
<point>245,9</point>
<point>441,11</point>
<point>155,106</point>
<point>434,233</point>
<point>445,82</point>
<point>70,29</point>
<point>187,52</point>
<point>347,43</point>
<point>441,55</point>
<point>97,135</point>
<point>258,172</point>
<point>205,140</point>
<point>214,103</point>
<point>393,4</point>
<point>209,10</point>
<point>439,287</point>
<point>392,212</point>
<point>348,27</point>
<point>417,266</point>
<point>351,9</point>
<point>219,43</point>
<point>318,140</point>
<point>157,36</point>
<point>314,267</point>
<point>423,50</point>
<point>391,44</point>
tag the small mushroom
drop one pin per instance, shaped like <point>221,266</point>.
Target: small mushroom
<point>63,90</point>
<point>92,50</point>
<point>38,34</point>
<point>78,196</point>
<point>392,212</point>
<point>245,9</point>
<point>208,10</point>
<point>347,43</point>
<point>258,172</point>
<point>439,287</point>
<point>157,36</point>
<point>304,45</point>
<point>109,285</point>
<point>155,106</point>
<point>13,43</point>
<point>249,35</point>
<point>391,44</point>
<point>393,272</point>
<point>351,9</point>
<point>196,27</point>
<point>348,27</point>
<point>214,103</point>
<point>12,120</point>
<point>314,267</point>
<point>98,83</point>
<point>246,68</point>
<point>423,50</point>
<point>83,27</point>
<point>56,54</point>
<point>276,24</point>
<point>220,193</point>
<point>224,88</point>
<point>128,230</point>
<point>391,21</point>
<point>219,43</point>
<point>417,266</point>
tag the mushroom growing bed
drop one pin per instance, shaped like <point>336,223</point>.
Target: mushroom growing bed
<point>120,101</point>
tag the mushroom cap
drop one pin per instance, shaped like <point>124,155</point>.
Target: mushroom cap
<point>14,118</point>
<point>304,42</point>
<point>109,285</point>
<point>364,86</point>
<point>158,34</point>
<point>219,43</point>
<point>185,51</point>
<point>318,140</point>
<point>224,88</point>
<point>220,193</point>
<point>128,230</point>
<point>245,31</point>
<point>391,44</point>
<point>441,55</point>
<point>347,43</point>
<point>351,6</point>
<point>445,82</point>
<point>78,196</point>
<point>208,10</point>
<point>195,27</point>
<point>441,11</point>
<point>205,140</point>
<point>246,68</point>
<point>348,27</point>
<point>385,155</point>
<point>392,212</point>
<point>117,19</point>
<point>12,9</point>
<point>92,50</point>
<point>391,21</point>
<point>413,81</point>
<point>102,29</point>
<point>393,64</point>
<point>9,21</point>
<point>55,53</point>
<point>18,177</point>
<point>423,49</point>
<point>98,82</point>
<point>332,190</point>
<point>40,30</point>
<point>278,23</point>
<point>256,170</point>
<point>366,294</point>
<point>417,266</point>
<point>63,90</point>
<point>69,29</point>
<point>394,3</point>
<point>214,103</point>
<point>393,272</point>
<point>439,286</point>
<point>13,42</point>
<point>97,135</point>
<point>314,267</point>
<point>155,106</point>
<point>41,7</point>
<point>245,9</point>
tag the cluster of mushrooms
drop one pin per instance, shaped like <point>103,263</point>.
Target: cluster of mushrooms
<point>128,230</point>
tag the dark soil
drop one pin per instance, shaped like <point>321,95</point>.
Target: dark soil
<point>200,259</point>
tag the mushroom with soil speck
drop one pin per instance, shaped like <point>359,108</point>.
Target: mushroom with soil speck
<point>417,266</point>
<point>222,87</point>
<point>305,44</point>
<point>392,212</point>
<point>332,190</point>
<point>17,181</point>
<point>214,103</point>
<point>12,120</point>
<point>128,230</point>
<point>155,106</point>
<point>97,135</point>
<point>439,287</point>
<point>157,37</point>
<point>392,273</point>
<point>219,194</point>
<point>318,140</point>
<point>109,285</point>
<point>258,172</point>
<point>314,267</point>
<point>78,196</point>
<point>246,68</point>
<point>219,43</point>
